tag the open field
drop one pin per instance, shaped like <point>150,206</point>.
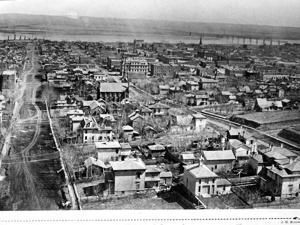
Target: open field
<point>128,203</point>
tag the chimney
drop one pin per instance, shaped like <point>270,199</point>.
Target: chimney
<point>201,161</point>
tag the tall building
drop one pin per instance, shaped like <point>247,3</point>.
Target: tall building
<point>8,78</point>
<point>135,65</point>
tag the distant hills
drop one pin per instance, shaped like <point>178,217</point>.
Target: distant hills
<point>33,24</point>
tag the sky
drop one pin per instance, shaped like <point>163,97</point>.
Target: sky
<point>258,12</point>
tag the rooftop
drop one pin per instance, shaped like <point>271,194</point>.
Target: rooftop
<point>218,155</point>
<point>113,87</point>
<point>271,117</point>
<point>130,164</point>
<point>200,171</point>
<point>109,144</point>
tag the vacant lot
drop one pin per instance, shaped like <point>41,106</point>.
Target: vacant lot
<point>138,203</point>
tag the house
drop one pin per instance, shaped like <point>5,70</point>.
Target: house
<point>219,161</point>
<point>152,177</point>
<point>92,132</point>
<point>262,104</point>
<point>157,150</point>
<point>181,123</point>
<point>75,123</point>
<point>190,99</point>
<point>240,150</point>
<point>166,178</point>
<point>192,85</point>
<point>108,151</point>
<point>255,163</point>
<point>127,132</point>
<point>234,133</point>
<point>125,150</point>
<point>91,180</point>
<point>136,119</point>
<point>283,182</point>
<point>94,168</point>
<point>223,186</point>
<point>206,83</point>
<point>9,79</point>
<point>277,155</point>
<point>159,109</point>
<point>106,120</point>
<point>75,112</point>
<point>161,70</point>
<point>113,92</point>
<point>145,111</point>
<point>164,89</point>
<point>202,100</point>
<point>187,158</point>
<point>97,108</point>
<point>201,181</point>
<point>129,175</point>
<point>199,122</point>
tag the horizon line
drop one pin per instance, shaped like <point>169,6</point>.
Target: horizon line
<point>147,19</point>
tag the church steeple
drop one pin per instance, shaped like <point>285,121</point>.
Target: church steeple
<point>200,42</point>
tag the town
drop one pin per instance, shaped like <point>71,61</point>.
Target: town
<point>149,125</point>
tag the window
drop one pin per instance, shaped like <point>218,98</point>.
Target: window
<point>290,188</point>
<point>213,180</point>
<point>199,181</point>
<point>138,175</point>
<point>92,138</point>
<point>199,189</point>
<point>224,188</point>
<point>85,137</point>
<point>216,166</point>
<point>137,185</point>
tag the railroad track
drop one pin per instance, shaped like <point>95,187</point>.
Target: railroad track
<point>249,129</point>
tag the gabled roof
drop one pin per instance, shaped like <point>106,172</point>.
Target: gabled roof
<point>107,145</point>
<point>129,164</point>
<point>234,132</point>
<point>187,155</point>
<point>258,158</point>
<point>199,116</point>
<point>165,174</point>
<point>152,169</point>
<point>127,128</point>
<point>125,145</point>
<point>184,120</point>
<point>156,147</point>
<point>218,155</point>
<point>145,109</point>
<point>113,87</point>
<point>92,161</point>
<point>241,152</point>
<point>159,106</point>
<point>294,166</point>
<point>201,171</point>
<point>135,116</point>
<point>238,144</point>
<point>278,150</point>
<point>223,182</point>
